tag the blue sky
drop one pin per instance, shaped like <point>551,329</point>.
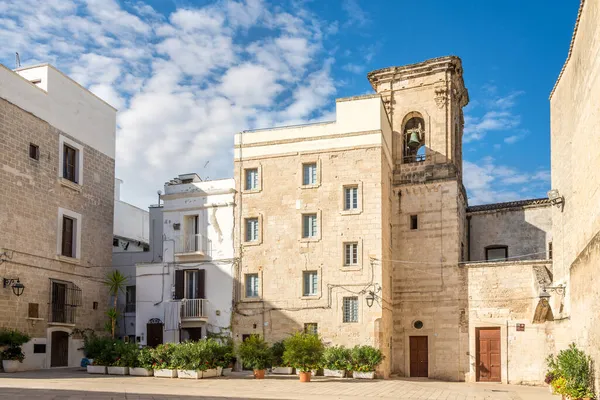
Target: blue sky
<point>187,75</point>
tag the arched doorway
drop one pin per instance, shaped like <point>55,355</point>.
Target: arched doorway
<point>59,352</point>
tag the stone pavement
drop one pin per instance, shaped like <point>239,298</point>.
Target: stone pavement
<point>68,384</point>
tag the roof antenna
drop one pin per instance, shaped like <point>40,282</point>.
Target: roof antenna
<point>17,60</point>
<point>205,164</point>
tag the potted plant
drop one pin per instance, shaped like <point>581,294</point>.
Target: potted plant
<point>336,361</point>
<point>123,357</point>
<point>256,353</point>
<point>12,355</point>
<point>96,350</point>
<point>304,352</point>
<point>573,367</point>
<point>101,361</point>
<point>142,365</point>
<point>365,360</point>
<point>226,358</point>
<point>279,366</point>
<point>163,363</point>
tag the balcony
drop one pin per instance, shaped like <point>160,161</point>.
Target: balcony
<point>186,245</point>
<point>194,312</point>
<point>65,297</point>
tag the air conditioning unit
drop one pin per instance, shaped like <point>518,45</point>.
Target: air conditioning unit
<point>176,227</point>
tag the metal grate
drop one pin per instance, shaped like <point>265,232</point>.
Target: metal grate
<point>65,297</point>
<point>351,309</point>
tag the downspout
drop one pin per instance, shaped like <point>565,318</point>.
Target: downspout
<point>507,381</point>
<point>468,238</point>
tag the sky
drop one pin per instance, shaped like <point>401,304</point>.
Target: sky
<point>187,75</point>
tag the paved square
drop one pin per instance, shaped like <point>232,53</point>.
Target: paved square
<point>69,384</point>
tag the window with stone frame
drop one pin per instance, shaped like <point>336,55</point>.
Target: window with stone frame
<point>251,179</point>
<point>309,225</point>
<point>496,253</point>
<point>251,285</point>
<point>351,254</point>
<point>350,309</point>
<point>310,283</point>
<point>351,197</point>
<point>309,174</point>
<point>252,230</point>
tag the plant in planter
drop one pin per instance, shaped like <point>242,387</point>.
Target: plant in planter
<point>256,353</point>
<point>142,365</point>
<point>225,358</point>
<point>280,366</point>
<point>304,352</point>
<point>13,355</point>
<point>336,361</point>
<point>191,360</point>
<point>115,281</point>
<point>575,367</point>
<point>123,356</point>
<point>163,365</point>
<point>365,360</point>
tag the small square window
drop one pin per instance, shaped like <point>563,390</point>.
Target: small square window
<point>34,151</point>
<point>350,254</point>
<point>351,198</point>
<point>496,253</point>
<point>252,179</point>
<point>34,310</point>
<point>311,283</point>
<point>115,242</point>
<point>95,305</point>
<point>309,225</point>
<point>39,348</point>
<point>251,229</point>
<point>311,328</point>
<point>309,174</point>
<point>251,285</point>
<point>414,222</point>
<point>350,309</point>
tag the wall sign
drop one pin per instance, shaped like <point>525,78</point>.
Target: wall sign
<point>520,327</point>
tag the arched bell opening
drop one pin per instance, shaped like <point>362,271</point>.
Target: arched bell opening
<point>413,132</point>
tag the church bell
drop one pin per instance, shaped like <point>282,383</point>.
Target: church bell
<point>414,141</point>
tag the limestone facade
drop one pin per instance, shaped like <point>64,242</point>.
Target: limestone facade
<point>61,292</point>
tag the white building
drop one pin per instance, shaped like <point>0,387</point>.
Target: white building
<point>131,227</point>
<point>190,292</point>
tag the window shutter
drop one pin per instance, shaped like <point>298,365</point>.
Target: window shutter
<point>67,237</point>
<point>201,284</point>
<point>179,284</point>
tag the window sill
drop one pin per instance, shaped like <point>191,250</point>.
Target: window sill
<point>35,319</point>
<point>351,212</point>
<point>251,191</point>
<point>310,239</point>
<point>69,260</point>
<point>61,324</point>
<point>251,300</point>
<point>71,185</point>
<point>349,268</point>
<point>314,297</point>
<point>253,243</point>
<point>312,186</point>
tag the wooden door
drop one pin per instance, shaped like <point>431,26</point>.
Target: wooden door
<point>59,352</point>
<point>419,357</point>
<point>154,334</point>
<point>488,355</point>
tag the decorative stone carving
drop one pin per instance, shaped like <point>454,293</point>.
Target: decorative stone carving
<point>440,97</point>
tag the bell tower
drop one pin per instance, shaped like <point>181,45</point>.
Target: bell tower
<point>424,103</point>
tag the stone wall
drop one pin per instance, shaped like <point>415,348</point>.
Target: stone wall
<point>31,196</point>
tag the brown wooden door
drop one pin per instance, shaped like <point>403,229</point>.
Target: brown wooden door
<point>154,334</point>
<point>419,357</point>
<point>59,352</point>
<point>488,355</point>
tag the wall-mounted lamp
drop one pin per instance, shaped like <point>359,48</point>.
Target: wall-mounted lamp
<point>557,289</point>
<point>370,299</point>
<point>556,199</point>
<point>15,284</point>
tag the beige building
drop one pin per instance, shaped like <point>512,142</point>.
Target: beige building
<point>57,150</point>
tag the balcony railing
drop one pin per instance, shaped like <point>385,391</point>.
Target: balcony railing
<point>194,309</point>
<point>414,158</point>
<point>192,244</point>
<point>65,297</point>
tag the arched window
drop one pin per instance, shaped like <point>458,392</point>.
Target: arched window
<point>414,138</point>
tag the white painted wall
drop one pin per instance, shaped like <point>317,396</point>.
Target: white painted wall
<point>130,222</point>
<point>63,103</point>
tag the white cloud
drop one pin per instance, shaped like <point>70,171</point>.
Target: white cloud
<point>355,14</point>
<point>354,68</point>
<point>497,115</point>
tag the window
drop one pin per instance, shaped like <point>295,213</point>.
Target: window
<point>39,348</point>
<point>34,151</point>
<point>251,285</point>
<point>70,163</point>
<point>309,174</point>
<point>68,235</point>
<point>115,242</point>
<point>351,198</point>
<point>495,253</point>
<point>130,299</point>
<point>350,309</point>
<point>65,298</point>
<point>414,222</point>
<point>311,328</point>
<point>251,229</point>
<point>311,283</point>
<point>34,310</point>
<point>309,225</point>
<point>351,253</point>
<point>95,305</point>
<point>252,179</point>
<point>549,250</point>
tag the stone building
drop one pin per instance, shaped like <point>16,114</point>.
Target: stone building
<point>57,150</point>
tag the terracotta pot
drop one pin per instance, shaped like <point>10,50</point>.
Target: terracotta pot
<point>305,376</point>
<point>259,374</point>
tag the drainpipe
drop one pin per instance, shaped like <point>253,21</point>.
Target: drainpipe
<point>468,238</point>
<point>507,382</point>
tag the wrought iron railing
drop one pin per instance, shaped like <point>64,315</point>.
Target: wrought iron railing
<point>192,244</point>
<point>194,308</point>
<point>65,297</point>
<point>414,158</point>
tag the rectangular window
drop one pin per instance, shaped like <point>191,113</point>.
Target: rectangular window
<point>309,174</point>
<point>350,253</point>
<point>130,299</point>
<point>68,236</point>
<point>350,309</point>
<point>311,283</point>
<point>251,285</point>
<point>251,229</point>
<point>351,198</point>
<point>496,253</point>
<point>309,225</point>
<point>311,328</point>
<point>549,250</point>
<point>414,222</point>
<point>252,179</point>
<point>115,242</point>
<point>34,151</point>
<point>70,163</point>
<point>34,310</point>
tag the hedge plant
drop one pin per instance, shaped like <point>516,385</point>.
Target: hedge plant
<point>303,351</point>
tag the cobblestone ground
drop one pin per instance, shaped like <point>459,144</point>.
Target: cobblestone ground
<point>70,384</point>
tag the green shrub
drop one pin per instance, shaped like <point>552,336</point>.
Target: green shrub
<point>124,354</point>
<point>255,353</point>
<point>144,359</point>
<point>277,349</point>
<point>163,356</point>
<point>366,358</point>
<point>13,337</point>
<point>13,353</point>
<point>94,345</point>
<point>337,358</point>
<point>575,367</point>
<point>303,351</point>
